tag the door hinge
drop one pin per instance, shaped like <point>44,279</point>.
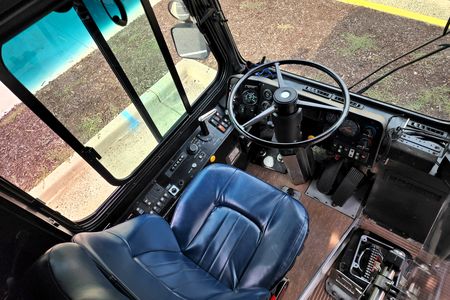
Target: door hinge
<point>91,153</point>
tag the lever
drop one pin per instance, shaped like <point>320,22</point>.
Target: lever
<point>202,121</point>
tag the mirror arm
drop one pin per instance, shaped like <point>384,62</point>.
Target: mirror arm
<point>209,13</point>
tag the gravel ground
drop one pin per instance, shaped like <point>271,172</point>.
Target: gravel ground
<point>349,39</point>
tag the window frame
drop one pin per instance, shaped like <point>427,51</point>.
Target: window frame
<point>89,154</point>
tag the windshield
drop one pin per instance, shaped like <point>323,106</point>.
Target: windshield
<point>354,37</point>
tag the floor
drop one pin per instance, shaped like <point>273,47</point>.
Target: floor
<point>327,226</point>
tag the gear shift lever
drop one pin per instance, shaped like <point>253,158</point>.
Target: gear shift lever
<point>202,122</point>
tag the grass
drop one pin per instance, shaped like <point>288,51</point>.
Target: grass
<point>251,5</point>
<point>138,52</point>
<point>431,99</point>
<point>381,94</point>
<point>357,43</point>
<point>12,115</point>
<point>284,27</point>
<point>90,126</point>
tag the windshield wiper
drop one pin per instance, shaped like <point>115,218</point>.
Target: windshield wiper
<point>442,47</point>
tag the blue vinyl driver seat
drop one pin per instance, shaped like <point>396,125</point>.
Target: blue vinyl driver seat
<point>232,236</point>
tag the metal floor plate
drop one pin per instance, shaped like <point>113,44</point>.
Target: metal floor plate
<point>351,207</point>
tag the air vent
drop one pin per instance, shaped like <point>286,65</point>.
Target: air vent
<point>332,97</point>
<point>426,128</point>
<point>352,103</point>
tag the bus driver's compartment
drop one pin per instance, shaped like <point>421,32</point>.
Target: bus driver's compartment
<point>209,149</point>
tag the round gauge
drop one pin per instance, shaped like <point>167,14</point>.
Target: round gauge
<point>267,94</point>
<point>265,105</point>
<point>349,128</point>
<point>249,97</point>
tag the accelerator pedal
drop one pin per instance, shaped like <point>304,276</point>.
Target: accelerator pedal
<point>347,186</point>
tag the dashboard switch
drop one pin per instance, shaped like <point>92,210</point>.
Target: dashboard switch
<point>192,149</point>
<point>174,190</point>
<point>351,152</point>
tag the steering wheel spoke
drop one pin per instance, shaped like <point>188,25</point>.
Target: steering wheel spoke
<point>280,79</point>
<point>260,116</point>
<point>317,105</point>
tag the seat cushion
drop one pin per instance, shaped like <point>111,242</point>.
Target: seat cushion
<point>243,231</point>
<point>143,256</point>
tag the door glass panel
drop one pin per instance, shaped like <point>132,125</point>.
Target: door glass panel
<point>58,61</point>
<point>36,160</point>
<point>138,53</point>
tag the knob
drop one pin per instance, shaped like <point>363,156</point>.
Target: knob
<point>202,121</point>
<point>192,149</point>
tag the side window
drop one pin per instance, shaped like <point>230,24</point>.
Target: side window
<point>60,61</point>
<point>196,75</point>
<point>36,160</point>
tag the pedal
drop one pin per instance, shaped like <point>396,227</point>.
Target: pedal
<point>291,192</point>
<point>328,177</point>
<point>347,186</point>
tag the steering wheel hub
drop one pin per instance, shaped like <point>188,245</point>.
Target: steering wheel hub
<point>286,100</point>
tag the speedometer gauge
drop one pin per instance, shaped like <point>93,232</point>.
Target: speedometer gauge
<point>249,97</point>
<point>349,128</point>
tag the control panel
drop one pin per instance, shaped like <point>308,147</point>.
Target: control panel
<point>416,144</point>
<point>196,153</point>
<point>357,139</point>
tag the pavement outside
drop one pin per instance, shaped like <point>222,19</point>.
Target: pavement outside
<point>433,8</point>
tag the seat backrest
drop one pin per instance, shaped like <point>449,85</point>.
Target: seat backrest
<point>238,228</point>
<point>67,272</point>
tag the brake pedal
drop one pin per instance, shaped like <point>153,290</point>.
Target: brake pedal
<point>347,186</point>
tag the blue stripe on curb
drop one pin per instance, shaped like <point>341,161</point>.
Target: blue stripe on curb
<point>134,123</point>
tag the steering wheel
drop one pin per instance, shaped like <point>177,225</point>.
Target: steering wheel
<point>286,109</point>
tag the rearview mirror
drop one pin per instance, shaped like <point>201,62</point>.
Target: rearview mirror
<point>178,10</point>
<point>189,42</point>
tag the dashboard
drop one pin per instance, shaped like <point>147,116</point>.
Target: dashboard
<point>360,140</point>
<point>357,139</point>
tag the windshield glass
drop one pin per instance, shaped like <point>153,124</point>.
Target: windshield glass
<point>354,37</point>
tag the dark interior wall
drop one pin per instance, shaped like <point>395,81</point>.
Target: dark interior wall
<point>17,230</point>
<point>6,5</point>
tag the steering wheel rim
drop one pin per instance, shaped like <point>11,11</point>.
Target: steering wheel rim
<point>285,145</point>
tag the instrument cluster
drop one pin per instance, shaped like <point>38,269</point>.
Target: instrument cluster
<point>253,99</point>
<point>358,138</point>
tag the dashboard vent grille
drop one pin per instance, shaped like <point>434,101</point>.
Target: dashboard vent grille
<point>332,97</point>
<point>426,128</point>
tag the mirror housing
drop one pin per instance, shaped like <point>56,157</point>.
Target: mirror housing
<point>189,41</point>
<point>178,10</point>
